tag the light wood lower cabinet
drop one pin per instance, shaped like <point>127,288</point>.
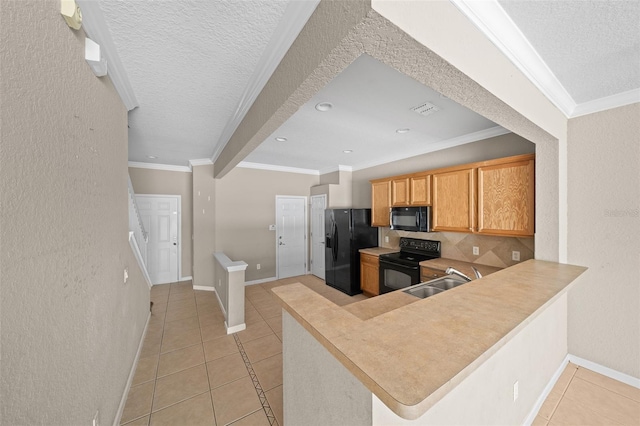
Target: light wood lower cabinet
<point>380,202</point>
<point>506,204</point>
<point>369,274</point>
<point>454,201</point>
<point>428,274</point>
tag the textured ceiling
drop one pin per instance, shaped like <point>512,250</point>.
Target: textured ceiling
<point>188,63</point>
<point>592,47</point>
<point>191,63</point>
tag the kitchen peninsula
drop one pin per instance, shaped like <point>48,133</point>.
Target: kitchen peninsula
<point>451,358</point>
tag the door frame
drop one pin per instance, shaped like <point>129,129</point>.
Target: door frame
<point>179,200</point>
<point>322,236</point>
<point>306,232</point>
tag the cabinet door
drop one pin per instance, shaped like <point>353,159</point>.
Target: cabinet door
<point>454,201</point>
<point>420,190</point>
<point>428,274</point>
<point>369,269</point>
<point>506,199</point>
<point>400,192</point>
<point>380,203</point>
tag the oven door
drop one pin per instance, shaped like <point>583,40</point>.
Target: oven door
<point>394,276</point>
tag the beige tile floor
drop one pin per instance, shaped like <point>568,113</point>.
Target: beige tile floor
<point>583,397</point>
<point>191,372</point>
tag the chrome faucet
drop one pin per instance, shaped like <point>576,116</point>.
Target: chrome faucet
<point>452,271</point>
<point>475,271</point>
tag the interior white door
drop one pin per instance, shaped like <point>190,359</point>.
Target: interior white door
<point>318,204</point>
<point>160,218</point>
<point>291,236</point>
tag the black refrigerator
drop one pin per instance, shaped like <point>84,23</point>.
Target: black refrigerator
<point>347,231</point>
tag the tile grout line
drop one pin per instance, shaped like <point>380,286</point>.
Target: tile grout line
<point>254,378</point>
<point>206,368</point>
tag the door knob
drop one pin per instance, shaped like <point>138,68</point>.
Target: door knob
<point>175,244</point>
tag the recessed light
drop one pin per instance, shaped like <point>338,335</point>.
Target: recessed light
<point>348,151</point>
<point>281,139</point>
<point>324,106</point>
<point>403,130</point>
<point>151,157</point>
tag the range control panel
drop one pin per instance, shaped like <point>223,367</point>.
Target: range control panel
<point>419,245</point>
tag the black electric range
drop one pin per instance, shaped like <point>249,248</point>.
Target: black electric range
<point>402,269</point>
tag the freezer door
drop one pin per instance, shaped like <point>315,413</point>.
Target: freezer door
<point>329,253</point>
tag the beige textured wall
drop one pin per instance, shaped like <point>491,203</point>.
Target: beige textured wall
<point>245,207</point>
<point>204,224</point>
<point>604,234</point>
<point>164,182</point>
<point>70,328</point>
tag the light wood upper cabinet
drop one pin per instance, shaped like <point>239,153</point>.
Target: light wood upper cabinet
<point>494,197</point>
<point>506,204</point>
<point>420,190</point>
<point>380,202</point>
<point>454,201</point>
<point>400,192</point>
<point>369,274</point>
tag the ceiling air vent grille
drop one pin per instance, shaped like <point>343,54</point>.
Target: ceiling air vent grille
<point>425,109</point>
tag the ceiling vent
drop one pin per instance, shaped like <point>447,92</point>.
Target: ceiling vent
<point>425,109</point>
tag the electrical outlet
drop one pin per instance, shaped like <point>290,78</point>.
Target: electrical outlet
<point>515,390</point>
<point>258,266</point>
<point>386,239</point>
<point>515,255</point>
<point>476,251</point>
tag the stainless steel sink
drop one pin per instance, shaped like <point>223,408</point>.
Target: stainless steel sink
<point>423,291</point>
<point>447,283</point>
<point>433,287</point>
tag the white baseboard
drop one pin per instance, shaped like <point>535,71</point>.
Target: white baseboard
<point>235,328</point>
<point>264,280</point>
<point>545,393</point>
<point>185,279</point>
<point>132,372</point>
<point>204,288</point>
<point>581,362</point>
<point>605,371</point>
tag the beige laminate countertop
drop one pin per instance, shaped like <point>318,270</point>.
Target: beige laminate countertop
<point>407,355</point>
<point>377,251</point>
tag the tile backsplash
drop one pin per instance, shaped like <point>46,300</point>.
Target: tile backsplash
<point>494,251</point>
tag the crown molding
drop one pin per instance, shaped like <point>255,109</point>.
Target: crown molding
<point>200,162</point>
<point>438,146</point>
<point>602,104</point>
<point>339,168</point>
<point>155,166</point>
<point>491,19</point>
<point>96,28</point>
<point>293,20</point>
<point>270,167</point>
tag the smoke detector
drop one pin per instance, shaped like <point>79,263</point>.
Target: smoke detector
<point>425,109</point>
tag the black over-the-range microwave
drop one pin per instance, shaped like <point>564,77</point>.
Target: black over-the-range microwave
<point>416,219</point>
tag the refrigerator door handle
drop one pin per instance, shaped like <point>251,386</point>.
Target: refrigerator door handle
<point>335,241</point>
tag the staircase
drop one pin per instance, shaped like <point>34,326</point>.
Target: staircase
<point>138,237</point>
